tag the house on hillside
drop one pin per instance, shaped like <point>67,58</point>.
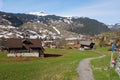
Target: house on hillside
<point>86,44</point>
<point>71,40</point>
<point>24,47</point>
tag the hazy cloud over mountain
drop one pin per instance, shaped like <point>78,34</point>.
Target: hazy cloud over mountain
<point>106,11</point>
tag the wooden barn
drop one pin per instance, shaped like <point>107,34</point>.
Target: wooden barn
<point>24,47</point>
<point>87,44</point>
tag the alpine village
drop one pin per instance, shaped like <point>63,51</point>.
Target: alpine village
<point>51,47</point>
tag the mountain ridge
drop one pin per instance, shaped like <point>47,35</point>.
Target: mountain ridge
<point>77,25</point>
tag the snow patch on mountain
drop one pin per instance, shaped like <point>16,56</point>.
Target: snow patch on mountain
<point>6,27</point>
<point>13,32</point>
<point>68,21</point>
<point>56,30</point>
<point>38,13</point>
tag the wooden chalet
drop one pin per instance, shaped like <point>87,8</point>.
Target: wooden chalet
<point>87,44</point>
<point>24,47</point>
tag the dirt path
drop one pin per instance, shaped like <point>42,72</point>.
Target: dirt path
<point>84,70</point>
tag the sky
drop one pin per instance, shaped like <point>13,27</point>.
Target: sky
<point>106,11</point>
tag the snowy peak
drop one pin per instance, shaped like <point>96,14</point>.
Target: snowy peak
<point>38,13</point>
<point>115,26</point>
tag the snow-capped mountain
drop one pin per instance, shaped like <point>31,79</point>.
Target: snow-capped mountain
<point>38,13</point>
<point>79,25</point>
<point>115,26</point>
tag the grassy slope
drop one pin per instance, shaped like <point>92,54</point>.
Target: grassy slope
<point>101,69</point>
<point>60,68</point>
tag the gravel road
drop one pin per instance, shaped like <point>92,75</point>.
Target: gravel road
<point>84,70</point>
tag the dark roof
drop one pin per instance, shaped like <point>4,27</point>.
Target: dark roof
<point>87,43</point>
<point>19,43</point>
<point>13,43</point>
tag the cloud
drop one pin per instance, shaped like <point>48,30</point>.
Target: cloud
<point>105,10</point>
<point>108,8</point>
<point>1,4</point>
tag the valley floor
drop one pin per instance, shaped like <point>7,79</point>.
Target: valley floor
<point>58,64</point>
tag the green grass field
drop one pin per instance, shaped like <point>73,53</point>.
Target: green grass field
<point>101,67</point>
<point>49,68</point>
<point>54,66</point>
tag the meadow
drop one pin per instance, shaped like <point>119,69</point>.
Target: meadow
<point>61,67</point>
<point>101,67</point>
<point>58,64</point>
